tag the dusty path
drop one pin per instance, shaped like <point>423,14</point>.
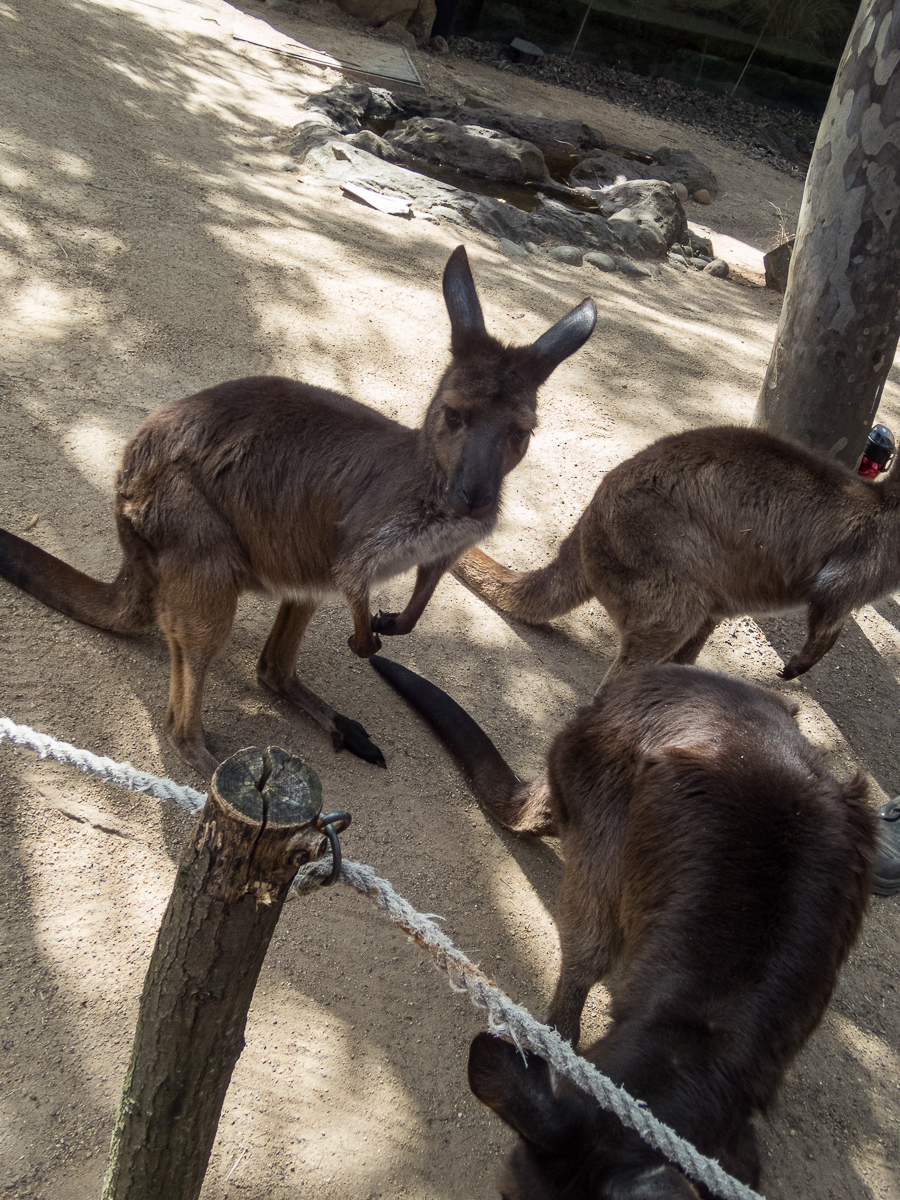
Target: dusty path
<point>151,245</point>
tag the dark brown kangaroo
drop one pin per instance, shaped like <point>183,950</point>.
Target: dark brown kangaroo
<point>270,485</point>
<point>717,872</point>
<point>710,524</point>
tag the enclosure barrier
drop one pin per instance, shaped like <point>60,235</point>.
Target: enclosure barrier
<point>505,1017</point>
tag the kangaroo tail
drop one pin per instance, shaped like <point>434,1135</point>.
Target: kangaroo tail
<point>123,606</point>
<point>522,807</point>
<point>532,596</point>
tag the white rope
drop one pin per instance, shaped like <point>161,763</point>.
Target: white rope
<point>113,772</point>
<point>506,1017</point>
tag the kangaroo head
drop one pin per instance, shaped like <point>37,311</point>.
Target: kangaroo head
<point>562,1151</point>
<point>481,419</point>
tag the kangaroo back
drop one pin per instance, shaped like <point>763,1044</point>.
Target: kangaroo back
<point>709,524</point>
<point>716,874</point>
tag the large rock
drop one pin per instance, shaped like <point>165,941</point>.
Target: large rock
<point>600,168</point>
<point>471,148</point>
<point>378,12</point>
<point>680,166</point>
<point>646,214</point>
<point>558,141</point>
<point>349,104</point>
<point>416,16</point>
<point>420,23</point>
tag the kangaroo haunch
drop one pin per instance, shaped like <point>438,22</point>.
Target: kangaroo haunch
<point>711,524</point>
<point>716,873</point>
<point>271,485</point>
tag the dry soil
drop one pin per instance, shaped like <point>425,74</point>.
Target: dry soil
<point>151,245</point>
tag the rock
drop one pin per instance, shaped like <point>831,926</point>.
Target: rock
<point>346,105</point>
<point>439,45</point>
<point>511,249</point>
<point>674,257</point>
<point>420,23</point>
<point>678,265</point>
<point>373,144</point>
<point>449,214</point>
<point>525,52</point>
<point>395,32</point>
<point>680,190</point>
<point>281,5</point>
<point>651,205</point>
<point>627,267</point>
<point>702,196</point>
<point>698,244</point>
<point>567,254</point>
<point>603,262</point>
<point>718,268</point>
<point>680,166</point>
<point>599,169</point>
<point>286,164</point>
<point>314,129</point>
<point>377,12</point>
<point>556,140</point>
<point>777,263</point>
<point>472,148</point>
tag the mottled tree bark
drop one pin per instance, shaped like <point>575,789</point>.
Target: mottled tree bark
<point>840,319</point>
<point>258,827</point>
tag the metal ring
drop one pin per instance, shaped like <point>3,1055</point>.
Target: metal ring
<point>326,825</point>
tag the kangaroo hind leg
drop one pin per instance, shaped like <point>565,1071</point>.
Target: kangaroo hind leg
<point>196,628</point>
<point>275,671</point>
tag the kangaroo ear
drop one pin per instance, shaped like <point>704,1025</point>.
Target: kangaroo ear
<point>563,339</point>
<point>519,1092</point>
<point>462,301</point>
<point>649,1183</point>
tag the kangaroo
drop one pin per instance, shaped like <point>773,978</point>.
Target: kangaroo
<point>271,485</point>
<point>709,524</point>
<point>716,871</point>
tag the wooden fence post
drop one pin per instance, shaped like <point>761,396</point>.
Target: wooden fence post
<point>258,827</point>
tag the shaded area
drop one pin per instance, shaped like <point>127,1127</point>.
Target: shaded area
<point>151,245</point>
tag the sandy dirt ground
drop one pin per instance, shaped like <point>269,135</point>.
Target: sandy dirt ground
<point>151,245</point>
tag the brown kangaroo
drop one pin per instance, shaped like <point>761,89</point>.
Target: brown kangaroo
<point>717,872</point>
<point>271,485</point>
<point>710,524</point>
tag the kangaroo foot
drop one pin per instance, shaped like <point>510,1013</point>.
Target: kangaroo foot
<point>350,735</point>
<point>196,755</point>
<point>364,647</point>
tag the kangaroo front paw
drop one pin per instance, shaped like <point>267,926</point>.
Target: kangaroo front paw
<point>794,667</point>
<point>350,735</point>
<point>364,647</point>
<point>386,623</point>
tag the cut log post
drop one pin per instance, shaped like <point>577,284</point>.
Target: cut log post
<point>258,827</point>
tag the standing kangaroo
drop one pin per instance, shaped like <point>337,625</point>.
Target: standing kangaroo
<point>710,524</point>
<point>270,485</point>
<point>717,872</point>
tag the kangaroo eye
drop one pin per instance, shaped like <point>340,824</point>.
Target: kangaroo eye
<point>453,417</point>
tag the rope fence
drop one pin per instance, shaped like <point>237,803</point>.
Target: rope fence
<point>505,1017</point>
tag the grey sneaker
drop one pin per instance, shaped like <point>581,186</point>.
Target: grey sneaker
<point>886,879</point>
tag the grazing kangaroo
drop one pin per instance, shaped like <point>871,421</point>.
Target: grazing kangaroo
<point>710,524</point>
<point>718,871</point>
<point>270,485</point>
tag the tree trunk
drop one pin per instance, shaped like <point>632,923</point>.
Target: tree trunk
<point>258,827</point>
<point>840,319</point>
